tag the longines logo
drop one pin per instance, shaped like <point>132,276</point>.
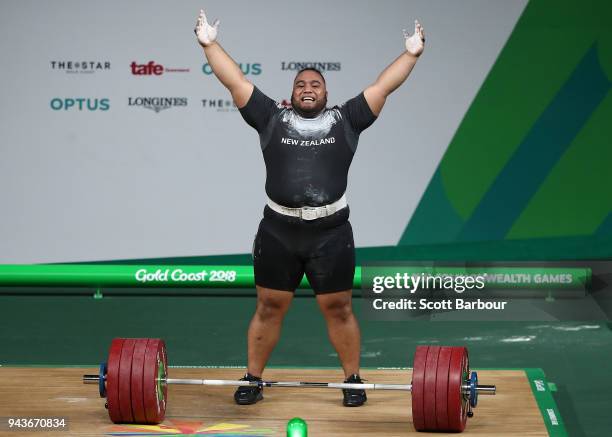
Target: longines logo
<point>321,66</point>
<point>79,104</point>
<point>82,67</point>
<point>153,69</point>
<point>157,104</point>
<point>220,105</point>
<point>247,69</point>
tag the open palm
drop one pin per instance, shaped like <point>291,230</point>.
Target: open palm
<point>415,43</point>
<point>206,33</point>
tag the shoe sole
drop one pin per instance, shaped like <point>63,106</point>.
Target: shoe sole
<point>353,405</point>
<point>259,398</point>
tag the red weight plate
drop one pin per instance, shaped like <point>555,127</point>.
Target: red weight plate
<point>465,376</point>
<point>429,388</point>
<point>112,380</point>
<point>137,370</point>
<point>442,388</point>
<point>125,380</point>
<point>164,386</point>
<point>418,382</point>
<point>155,391</point>
<point>457,403</point>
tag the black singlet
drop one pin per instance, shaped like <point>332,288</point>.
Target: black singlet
<point>307,159</point>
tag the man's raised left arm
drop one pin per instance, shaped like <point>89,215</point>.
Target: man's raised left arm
<point>397,72</point>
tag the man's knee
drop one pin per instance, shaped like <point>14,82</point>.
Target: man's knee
<point>271,308</point>
<point>338,309</point>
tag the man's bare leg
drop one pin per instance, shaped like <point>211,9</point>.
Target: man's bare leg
<point>342,328</point>
<point>265,327</point>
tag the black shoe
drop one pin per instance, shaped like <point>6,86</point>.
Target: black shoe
<point>354,397</point>
<point>248,394</point>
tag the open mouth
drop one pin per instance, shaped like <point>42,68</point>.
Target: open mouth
<point>308,99</point>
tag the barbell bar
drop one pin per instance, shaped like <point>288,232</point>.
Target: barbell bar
<point>482,389</point>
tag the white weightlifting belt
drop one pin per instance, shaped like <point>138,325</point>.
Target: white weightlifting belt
<point>309,212</point>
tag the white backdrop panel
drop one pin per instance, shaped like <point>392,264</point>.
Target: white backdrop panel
<point>132,183</point>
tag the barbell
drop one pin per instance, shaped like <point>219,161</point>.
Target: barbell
<point>135,382</point>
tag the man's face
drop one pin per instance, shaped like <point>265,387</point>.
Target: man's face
<point>309,95</point>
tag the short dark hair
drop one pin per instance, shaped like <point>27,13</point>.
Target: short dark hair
<point>316,70</point>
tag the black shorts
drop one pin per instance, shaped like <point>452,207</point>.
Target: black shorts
<point>286,248</point>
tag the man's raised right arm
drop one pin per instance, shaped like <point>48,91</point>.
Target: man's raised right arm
<point>223,66</point>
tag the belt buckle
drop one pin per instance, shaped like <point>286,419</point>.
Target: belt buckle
<point>309,213</point>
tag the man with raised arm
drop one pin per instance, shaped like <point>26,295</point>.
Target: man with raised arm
<point>307,150</point>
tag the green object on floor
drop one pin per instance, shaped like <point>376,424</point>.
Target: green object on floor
<point>297,427</point>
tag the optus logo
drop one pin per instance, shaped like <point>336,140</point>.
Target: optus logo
<point>80,104</point>
<point>252,69</point>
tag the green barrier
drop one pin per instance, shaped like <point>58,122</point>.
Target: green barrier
<point>79,275</point>
<point>142,276</point>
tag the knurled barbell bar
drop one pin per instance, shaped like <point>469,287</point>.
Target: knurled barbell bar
<point>135,383</point>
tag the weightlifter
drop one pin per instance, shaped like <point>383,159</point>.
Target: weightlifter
<point>307,150</point>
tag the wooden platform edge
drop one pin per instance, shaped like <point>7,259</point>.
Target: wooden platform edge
<point>543,393</point>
